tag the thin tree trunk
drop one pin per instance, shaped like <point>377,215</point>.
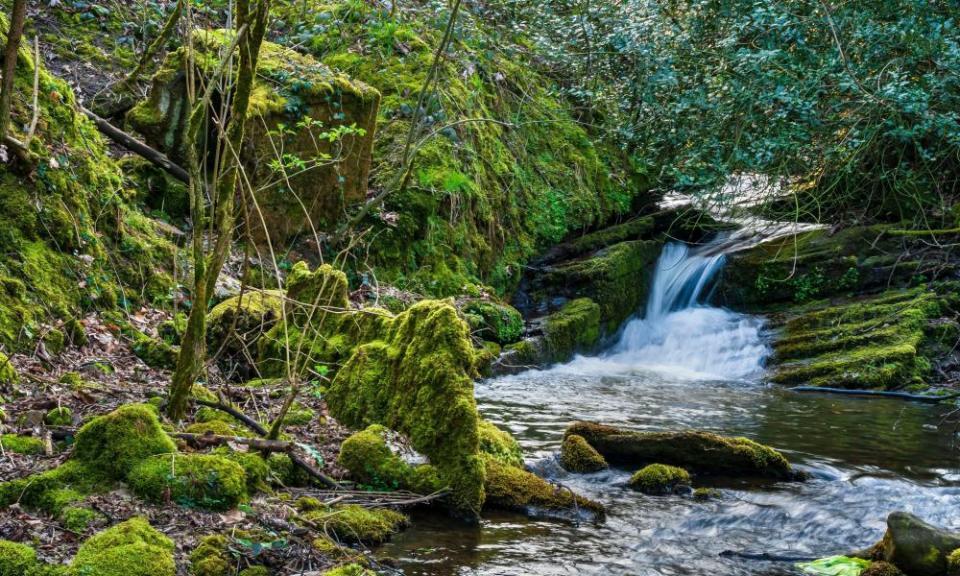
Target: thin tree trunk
<point>14,33</point>
<point>159,41</point>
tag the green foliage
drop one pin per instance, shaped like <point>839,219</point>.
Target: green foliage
<point>112,445</point>
<point>353,523</point>
<point>16,559</point>
<point>78,518</point>
<point>659,479</point>
<point>22,444</point>
<point>192,480</point>
<point>210,557</point>
<point>132,548</point>
<point>8,374</point>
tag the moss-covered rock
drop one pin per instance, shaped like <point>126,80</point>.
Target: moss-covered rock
<point>22,444</point>
<point>255,571</point>
<point>953,563</point>
<point>700,452</point>
<point>210,557</point>
<point>881,569</point>
<point>115,443</point>
<point>60,416</point>
<point>352,569</point>
<point>192,480</point>
<point>417,379</point>
<point>352,523</point>
<point>494,321</point>
<point>235,325</point>
<point>16,559</point>
<point>915,547</point>
<point>371,462</point>
<point>8,374</point>
<point>576,455</point>
<point>51,491</point>
<point>290,199</point>
<point>659,479</point>
<point>132,548</point>
<point>499,445</point>
<point>573,328</point>
<point>512,488</point>
<point>78,518</point>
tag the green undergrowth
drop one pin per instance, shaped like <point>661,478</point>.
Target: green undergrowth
<point>72,241</point>
<point>881,342</point>
<point>484,196</point>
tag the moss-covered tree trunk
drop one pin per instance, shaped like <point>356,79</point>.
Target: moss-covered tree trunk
<point>14,33</point>
<point>251,28</point>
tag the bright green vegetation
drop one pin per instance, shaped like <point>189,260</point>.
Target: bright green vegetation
<point>349,570</point>
<point>576,455</point>
<point>512,488</point>
<point>499,445</point>
<point>500,323</point>
<point>352,523</point>
<point>15,558</point>
<point>191,480</point>
<point>8,374</point>
<point>114,444</point>
<point>700,452</point>
<point>659,479</point>
<point>22,444</point>
<point>132,548</point>
<point>876,342</point>
<point>78,518</point>
<point>371,462</point>
<point>953,563</point>
<point>210,557</point>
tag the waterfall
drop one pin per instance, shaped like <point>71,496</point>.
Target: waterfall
<point>679,332</point>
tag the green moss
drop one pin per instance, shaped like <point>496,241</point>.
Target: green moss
<point>132,548</point>
<point>8,374</point>
<point>512,488</point>
<point>78,519</point>
<point>51,490</point>
<point>115,443</point>
<point>575,327</point>
<point>154,353</point>
<point>499,445</point>
<point>371,462</point>
<point>73,380</point>
<point>255,571</point>
<point>210,557</point>
<point>352,523</point>
<point>299,415</point>
<point>953,563</point>
<point>235,325</point>
<point>192,480</point>
<point>418,380</point>
<point>22,444</point>
<point>61,416</point>
<point>349,570</point>
<point>16,559</point>
<point>659,479</point>
<point>704,494</point>
<point>576,455</point>
<point>700,452</point>
<point>256,469</point>
<point>216,427</point>
<point>883,569</point>
<point>500,323</point>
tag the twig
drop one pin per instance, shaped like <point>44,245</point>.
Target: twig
<point>137,147</point>
<point>36,93</point>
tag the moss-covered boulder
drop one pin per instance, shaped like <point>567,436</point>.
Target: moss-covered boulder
<point>329,173</point>
<point>499,445</point>
<point>352,523</point>
<point>210,557</point>
<point>574,328</point>
<point>132,548</point>
<point>22,444</point>
<point>8,374</point>
<point>417,379</point>
<point>659,479</point>
<point>235,325</point>
<point>112,445</point>
<point>60,416</point>
<point>371,462</point>
<point>512,488</point>
<point>881,569</point>
<point>883,341</point>
<point>195,480</point>
<point>700,452</point>
<point>916,547</point>
<point>576,455</point>
<point>16,559</point>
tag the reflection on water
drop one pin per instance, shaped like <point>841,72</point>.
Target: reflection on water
<point>868,458</point>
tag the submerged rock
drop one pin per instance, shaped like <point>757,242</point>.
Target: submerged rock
<point>917,548</point>
<point>511,488</point>
<point>659,479</point>
<point>577,455</point>
<point>700,452</point>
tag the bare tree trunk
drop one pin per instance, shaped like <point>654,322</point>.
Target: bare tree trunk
<point>251,28</point>
<point>14,33</point>
<point>155,46</point>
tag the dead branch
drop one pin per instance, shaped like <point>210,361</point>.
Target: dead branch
<point>204,440</point>
<point>137,147</point>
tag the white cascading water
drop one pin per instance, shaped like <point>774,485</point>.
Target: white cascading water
<point>679,333</point>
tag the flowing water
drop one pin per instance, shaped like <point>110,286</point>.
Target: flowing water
<point>685,364</point>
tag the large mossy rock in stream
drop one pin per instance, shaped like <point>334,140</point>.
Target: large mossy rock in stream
<point>416,377</point>
<point>917,548</point>
<point>577,455</point>
<point>881,342</point>
<point>512,488</point>
<point>290,87</point>
<point>700,452</point>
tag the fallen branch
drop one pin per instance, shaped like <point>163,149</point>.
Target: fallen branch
<point>137,147</point>
<point>261,431</point>
<point>877,394</point>
<point>373,499</point>
<point>204,440</point>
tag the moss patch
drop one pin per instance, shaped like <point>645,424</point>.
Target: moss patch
<point>576,455</point>
<point>61,416</point>
<point>115,443</point>
<point>22,444</point>
<point>371,462</point>
<point>574,328</point>
<point>352,523</point>
<point>16,559</point>
<point>500,445</point>
<point>132,548</point>
<point>511,488</point>
<point>659,479</point>
<point>500,323</point>
<point>192,480</point>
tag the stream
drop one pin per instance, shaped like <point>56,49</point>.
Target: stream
<point>685,364</point>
